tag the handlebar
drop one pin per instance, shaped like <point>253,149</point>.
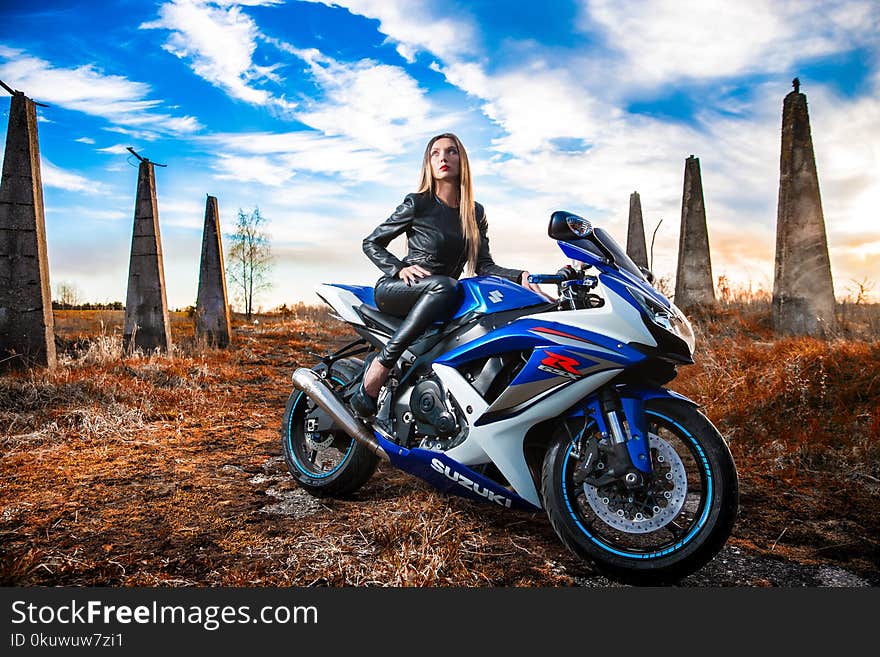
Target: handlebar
<point>567,273</point>
<point>545,278</point>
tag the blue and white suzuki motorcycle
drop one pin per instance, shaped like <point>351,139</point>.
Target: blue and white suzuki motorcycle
<point>531,405</point>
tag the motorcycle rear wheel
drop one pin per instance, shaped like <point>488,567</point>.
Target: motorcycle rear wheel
<point>330,464</point>
<point>668,529</point>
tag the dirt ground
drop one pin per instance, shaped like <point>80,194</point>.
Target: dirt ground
<point>167,471</point>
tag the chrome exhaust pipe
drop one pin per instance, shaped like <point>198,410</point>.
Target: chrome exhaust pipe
<point>316,390</point>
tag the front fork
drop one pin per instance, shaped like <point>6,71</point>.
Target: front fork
<point>623,427</point>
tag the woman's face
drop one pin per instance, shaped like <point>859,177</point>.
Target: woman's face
<point>445,163</point>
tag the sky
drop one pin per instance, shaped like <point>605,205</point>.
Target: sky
<point>317,113</point>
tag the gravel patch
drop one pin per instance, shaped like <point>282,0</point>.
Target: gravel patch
<point>295,503</point>
<point>734,567</point>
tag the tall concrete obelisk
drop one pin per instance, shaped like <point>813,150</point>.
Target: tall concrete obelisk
<point>803,292</point>
<point>147,325</point>
<point>27,324</point>
<point>693,280</point>
<point>212,302</point>
<point>635,234</point>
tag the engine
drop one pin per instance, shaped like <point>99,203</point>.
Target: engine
<point>430,411</point>
<point>434,422</point>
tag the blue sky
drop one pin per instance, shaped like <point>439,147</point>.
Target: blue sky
<point>318,112</point>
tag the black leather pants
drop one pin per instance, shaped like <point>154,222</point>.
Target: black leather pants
<point>432,299</point>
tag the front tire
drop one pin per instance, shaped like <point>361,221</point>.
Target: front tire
<point>664,531</point>
<point>326,463</point>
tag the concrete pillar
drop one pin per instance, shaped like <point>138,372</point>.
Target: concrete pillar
<point>803,292</point>
<point>212,302</point>
<point>27,325</point>
<point>635,234</point>
<point>693,279</point>
<point>147,325</point>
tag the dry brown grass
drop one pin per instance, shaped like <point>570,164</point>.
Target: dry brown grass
<point>802,416</point>
<point>157,470</point>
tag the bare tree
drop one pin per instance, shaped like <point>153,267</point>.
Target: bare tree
<point>66,294</point>
<point>249,260</point>
<point>860,291</point>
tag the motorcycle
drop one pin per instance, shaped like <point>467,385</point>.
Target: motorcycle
<point>532,404</point>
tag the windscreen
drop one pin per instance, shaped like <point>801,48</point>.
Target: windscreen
<point>620,258</point>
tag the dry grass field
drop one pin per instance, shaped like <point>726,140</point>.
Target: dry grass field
<point>166,470</point>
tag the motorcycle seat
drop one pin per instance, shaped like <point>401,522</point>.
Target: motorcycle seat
<point>390,323</point>
<point>380,320</point>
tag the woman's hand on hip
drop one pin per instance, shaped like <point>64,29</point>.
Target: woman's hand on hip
<point>524,281</point>
<point>412,274</point>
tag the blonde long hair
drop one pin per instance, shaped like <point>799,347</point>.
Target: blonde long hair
<point>467,210</point>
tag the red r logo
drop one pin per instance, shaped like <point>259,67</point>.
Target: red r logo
<point>562,362</point>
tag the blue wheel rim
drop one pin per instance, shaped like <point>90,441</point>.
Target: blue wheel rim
<point>294,453</point>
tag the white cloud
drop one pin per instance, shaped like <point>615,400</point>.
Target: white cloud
<point>253,168</point>
<point>534,104</point>
<point>249,3</point>
<point>115,149</point>
<point>85,140</point>
<point>664,40</point>
<point>54,176</point>
<point>219,44</point>
<point>182,213</point>
<point>274,158</point>
<point>86,89</point>
<point>91,213</point>
<point>849,181</point>
<point>145,135</point>
<point>374,104</point>
<point>182,124</point>
<point>415,25</point>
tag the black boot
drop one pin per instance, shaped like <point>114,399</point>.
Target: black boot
<point>362,403</point>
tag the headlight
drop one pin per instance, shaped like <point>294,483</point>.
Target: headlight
<point>682,327</point>
<point>670,319</point>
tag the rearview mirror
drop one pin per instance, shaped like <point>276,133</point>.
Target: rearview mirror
<point>566,226</point>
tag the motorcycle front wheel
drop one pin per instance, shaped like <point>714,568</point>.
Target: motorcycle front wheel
<point>665,529</point>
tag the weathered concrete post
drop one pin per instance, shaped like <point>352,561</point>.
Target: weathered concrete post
<point>212,302</point>
<point>693,279</point>
<point>27,325</point>
<point>147,325</point>
<point>803,292</point>
<point>635,234</point>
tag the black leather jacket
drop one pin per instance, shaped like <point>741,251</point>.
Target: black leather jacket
<point>434,240</point>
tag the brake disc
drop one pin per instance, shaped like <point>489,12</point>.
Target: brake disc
<point>669,488</point>
<point>316,440</point>
<point>319,441</point>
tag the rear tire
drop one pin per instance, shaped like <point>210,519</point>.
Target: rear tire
<point>334,465</point>
<point>660,534</point>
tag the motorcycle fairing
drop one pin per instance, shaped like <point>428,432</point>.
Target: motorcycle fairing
<point>532,331</point>
<point>491,294</point>
<point>601,335</point>
<point>343,299</point>
<point>492,441</point>
<point>448,475</point>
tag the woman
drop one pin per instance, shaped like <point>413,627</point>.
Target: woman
<point>446,230</point>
